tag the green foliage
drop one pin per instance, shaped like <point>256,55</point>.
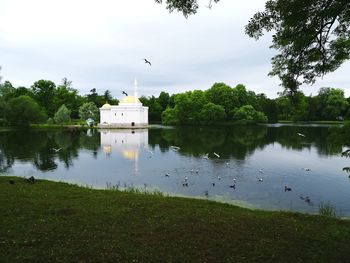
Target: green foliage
<point>312,38</point>
<point>169,117</point>
<point>249,114</point>
<point>50,121</point>
<point>67,95</point>
<point>7,90</point>
<point>88,110</point>
<point>223,95</point>
<point>326,209</point>
<point>212,113</point>
<point>62,115</point>
<point>24,110</point>
<point>44,93</point>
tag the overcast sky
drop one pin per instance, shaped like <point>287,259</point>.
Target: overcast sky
<point>101,43</point>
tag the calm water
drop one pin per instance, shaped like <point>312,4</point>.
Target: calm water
<point>141,158</point>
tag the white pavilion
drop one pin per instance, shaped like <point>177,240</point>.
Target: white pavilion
<point>129,113</point>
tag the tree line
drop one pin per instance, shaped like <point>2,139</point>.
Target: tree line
<point>44,102</point>
<point>222,103</point>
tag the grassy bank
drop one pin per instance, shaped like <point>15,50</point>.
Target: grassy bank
<point>48,221</point>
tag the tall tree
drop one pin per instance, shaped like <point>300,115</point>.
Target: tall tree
<point>88,110</point>
<point>24,110</point>
<point>312,38</point>
<point>44,93</point>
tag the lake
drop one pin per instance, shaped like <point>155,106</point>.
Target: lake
<point>245,165</point>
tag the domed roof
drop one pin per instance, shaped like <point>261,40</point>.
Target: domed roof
<point>130,100</point>
<point>106,106</point>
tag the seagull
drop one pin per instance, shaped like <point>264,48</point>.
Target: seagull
<point>126,94</point>
<point>287,188</point>
<point>219,178</point>
<point>213,184</point>
<point>234,180</point>
<point>300,134</point>
<point>56,150</point>
<point>206,156</point>
<point>197,171</point>
<point>216,155</point>
<point>191,171</point>
<point>260,179</point>
<point>233,186</point>
<point>147,62</point>
<point>186,178</point>
<point>261,171</point>
<point>307,169</point>
<point>167,175</point>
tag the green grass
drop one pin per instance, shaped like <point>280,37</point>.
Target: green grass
<point>327,209</point>
<point>57,222</point>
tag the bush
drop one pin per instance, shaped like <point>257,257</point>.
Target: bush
<point>50,121</point>
<point>23,111</point>
<point>247,113</point>
<point>62,115</point>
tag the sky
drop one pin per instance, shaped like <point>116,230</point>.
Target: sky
<point>101,44</point>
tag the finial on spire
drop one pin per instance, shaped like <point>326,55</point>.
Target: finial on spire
<point>135,89</point>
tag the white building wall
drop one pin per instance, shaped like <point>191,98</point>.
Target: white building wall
<point>124,115</point>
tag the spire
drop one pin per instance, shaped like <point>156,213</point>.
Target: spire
<point>135,90</point>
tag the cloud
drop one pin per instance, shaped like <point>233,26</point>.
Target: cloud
<point>101,44</point>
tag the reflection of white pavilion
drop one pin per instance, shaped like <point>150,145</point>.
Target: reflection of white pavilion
<point>126,142</point>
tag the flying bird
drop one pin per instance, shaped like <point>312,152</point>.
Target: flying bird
<point>300,134</point>
<point>147,62</point>
<point>126,94</point>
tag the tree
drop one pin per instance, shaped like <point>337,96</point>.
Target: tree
<point>44,93</point>
<point>187,7</point>
<point>62,115</point>
<point>312,37</point>
<point>164,100</point>
<point>248,113</point>
<point>107,96</point>
<point>169,117</point>
<point>88,110</point>
<point>24,110</point>
<point>67,95</point>
<point>7,91</point>
<point>332,103</point>
<point>212,113</point>
<point>223,95</point>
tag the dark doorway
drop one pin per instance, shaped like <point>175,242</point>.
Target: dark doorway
<point>133,124</point>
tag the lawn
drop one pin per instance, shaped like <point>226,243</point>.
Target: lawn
<point>49,221</point>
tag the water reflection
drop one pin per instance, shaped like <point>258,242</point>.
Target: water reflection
<point>127,142</point>
<point>95,158</point>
